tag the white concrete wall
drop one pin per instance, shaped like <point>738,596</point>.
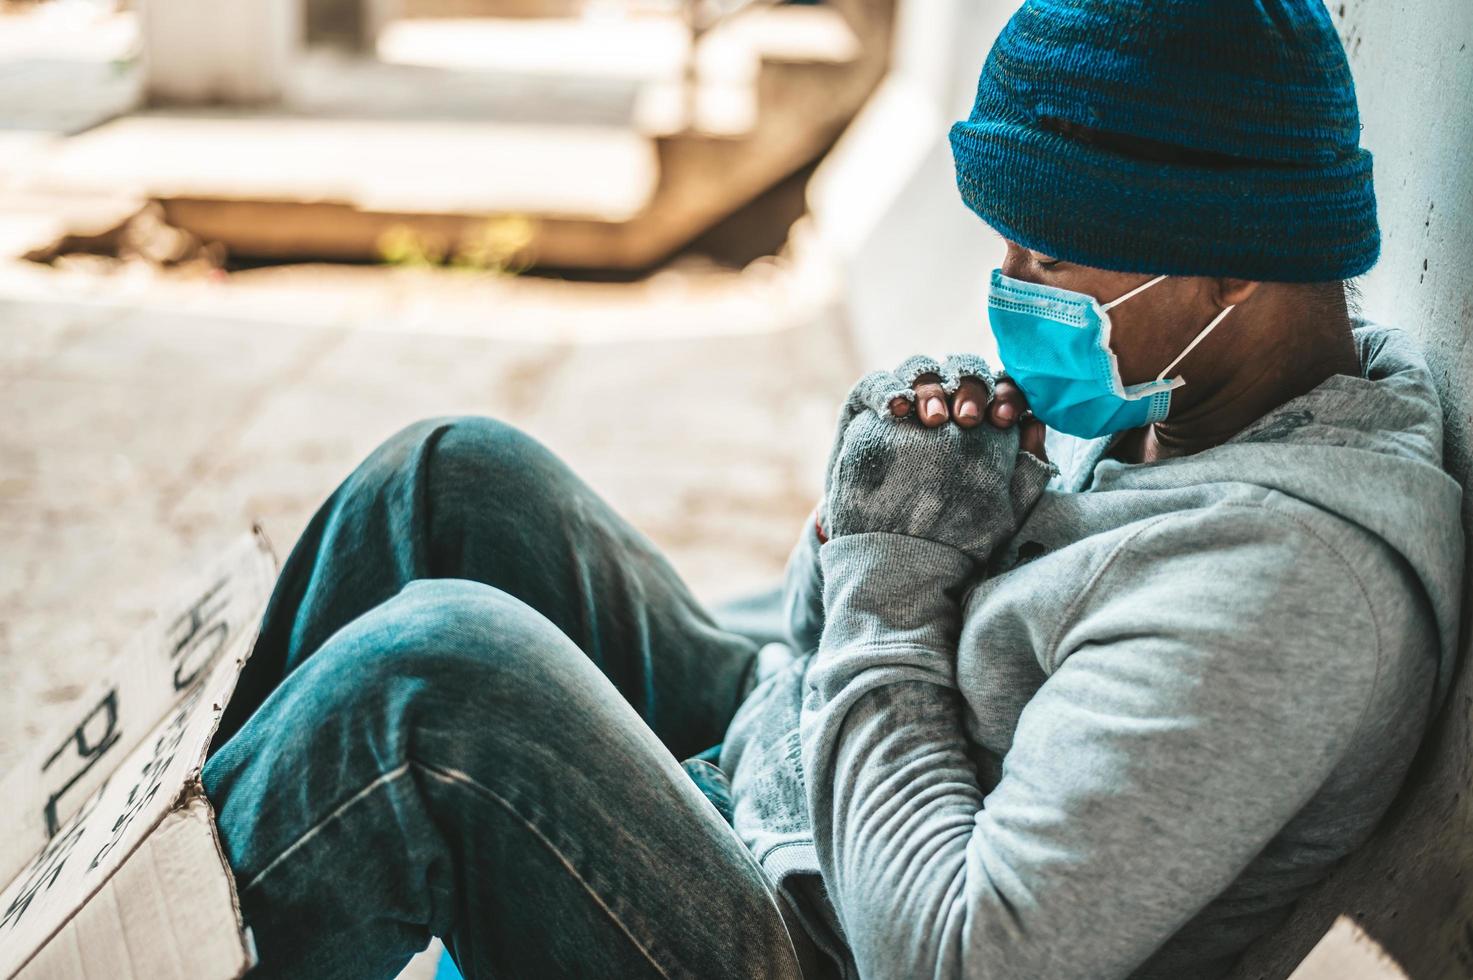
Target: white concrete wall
<point>913,259</point>
<point>1411,887</point>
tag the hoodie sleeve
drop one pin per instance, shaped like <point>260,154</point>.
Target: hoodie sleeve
<point>803,589</point>
<point>1208,677</point>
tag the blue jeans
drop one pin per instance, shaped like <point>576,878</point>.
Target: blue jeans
<point>463,718</point>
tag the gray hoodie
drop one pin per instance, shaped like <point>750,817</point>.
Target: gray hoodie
<point>1175,698</point>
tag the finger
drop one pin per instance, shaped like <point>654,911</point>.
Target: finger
<point>912,371</point>
<point>899,407</point>
<point>931,401</point>
<point>1030,437</point>
<point>958,367</point>
<point>878,391</point>
<point>1008,404</point>
<point>969,402</point>
<point>913,368</point>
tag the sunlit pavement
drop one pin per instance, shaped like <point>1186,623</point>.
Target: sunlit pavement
<point>148,422</point>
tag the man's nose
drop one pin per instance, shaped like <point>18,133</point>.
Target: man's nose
<point>1015,262</point>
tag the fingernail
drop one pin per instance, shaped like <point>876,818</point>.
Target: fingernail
<point>968,411</point>
<point>935,406</point>
<point>1007,412</point>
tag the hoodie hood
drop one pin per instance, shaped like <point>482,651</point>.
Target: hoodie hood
<point>1385,428</point>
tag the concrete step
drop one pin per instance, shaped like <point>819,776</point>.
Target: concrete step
<point>532,9</point>
<point>431,167</point>
<point>61,67</point>
<point>491,8</point>
<point>640,48</point>
<point>720,98</point>
<point>602,61</point>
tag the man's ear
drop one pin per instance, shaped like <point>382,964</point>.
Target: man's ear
<point>1231,292</point>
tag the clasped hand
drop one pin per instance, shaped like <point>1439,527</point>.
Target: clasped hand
<point>927,451</point>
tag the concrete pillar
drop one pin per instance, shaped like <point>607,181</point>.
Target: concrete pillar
<point>218,51</point>
<point>349,25</point>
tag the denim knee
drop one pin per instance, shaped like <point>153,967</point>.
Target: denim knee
<point>447,675</point>
<point>446,670</point>
<point>469,457</point>
<point>455,634</point>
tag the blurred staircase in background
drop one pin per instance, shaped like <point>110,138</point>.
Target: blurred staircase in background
<point>614,139</point>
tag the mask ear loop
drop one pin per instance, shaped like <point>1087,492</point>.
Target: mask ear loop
<point>1195,341</point>
<point>1139,289</point>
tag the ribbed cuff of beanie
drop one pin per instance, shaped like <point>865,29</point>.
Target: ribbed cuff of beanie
<point>1085,204</point>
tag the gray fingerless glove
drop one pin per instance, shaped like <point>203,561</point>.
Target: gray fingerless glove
<point>967,488</point>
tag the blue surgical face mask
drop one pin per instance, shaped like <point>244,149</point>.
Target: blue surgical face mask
<point>1055,345</point>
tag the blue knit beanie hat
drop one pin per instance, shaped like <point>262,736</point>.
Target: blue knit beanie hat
<point>1187,137</point>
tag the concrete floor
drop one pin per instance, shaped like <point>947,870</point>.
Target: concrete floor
<point>148,422</point>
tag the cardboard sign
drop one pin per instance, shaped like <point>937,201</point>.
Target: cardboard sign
<point>108,843</point>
